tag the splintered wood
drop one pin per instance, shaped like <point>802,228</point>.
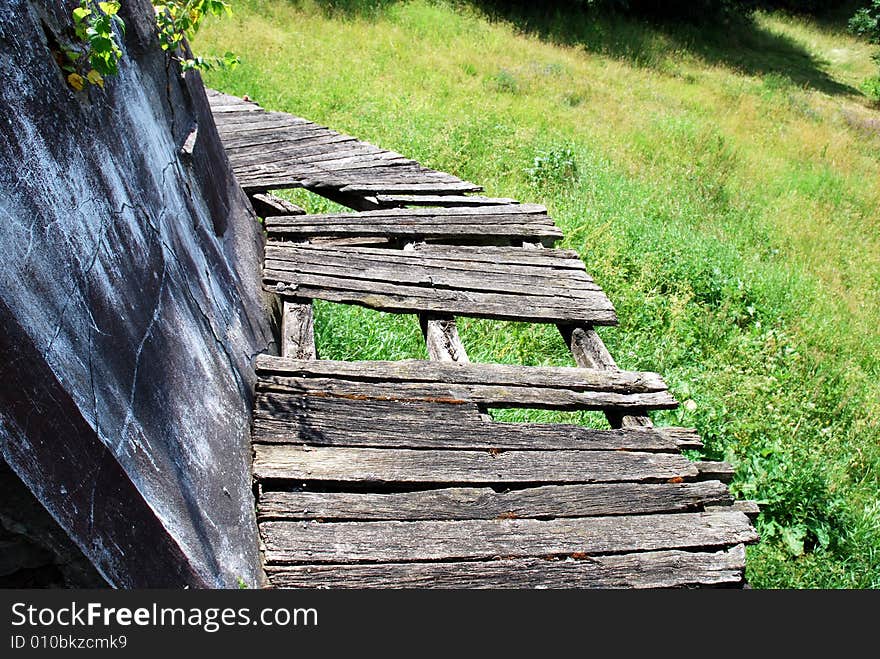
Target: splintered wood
<point>394,474</point>
<point>490,282</point>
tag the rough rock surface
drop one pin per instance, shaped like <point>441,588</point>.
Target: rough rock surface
<point>130,308</point>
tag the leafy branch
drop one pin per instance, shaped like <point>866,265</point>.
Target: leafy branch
<point>178,20</point>
<point>97,52</point>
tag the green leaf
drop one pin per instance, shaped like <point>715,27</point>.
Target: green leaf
<point>793,539</point>
<point>109,8</point>
<point>80,13</point>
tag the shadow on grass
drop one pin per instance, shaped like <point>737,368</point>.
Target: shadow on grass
<point>736,42</point>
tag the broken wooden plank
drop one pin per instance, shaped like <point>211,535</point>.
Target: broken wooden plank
<point>489,395</point>
<point>662,569</point>
<point>750,508</point>
<point>349,542</point>
<point>400,187</point>
<point>416,226</point>
<point>464,259</point>
<point>485,503</point>
<point>266,205</point>
<point>387,465</point>
<point>287,262</point>
<point>714,470</point>
<point>298,330</point>
<point>513,375</point>
<point>419,299</point>
<point>509,213</point>
<point>436,279</point>
<point>399,201</point>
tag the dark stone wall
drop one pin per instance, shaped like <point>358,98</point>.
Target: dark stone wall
<point>130,307</point>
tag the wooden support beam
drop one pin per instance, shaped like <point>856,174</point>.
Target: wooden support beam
<point>442,339</point>
<point>298,330</point>
<point>589,351</point>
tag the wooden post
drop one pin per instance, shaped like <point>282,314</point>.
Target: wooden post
<point>298,330</point>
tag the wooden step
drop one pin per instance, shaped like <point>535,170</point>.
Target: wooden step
<point>289,541</point>
<point>396,465</point>
<point>660,569</point>
<point>513,222</point>
<point>280,418</point>
<point>491,282</point>
<point>493,385</point>
<point>580,500</point>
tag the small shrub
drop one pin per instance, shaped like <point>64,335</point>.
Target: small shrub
<point>555,166</point>
<point>505,81</point>
<point>574,99</point>
<point>866,22</point>
<point>871,89</point>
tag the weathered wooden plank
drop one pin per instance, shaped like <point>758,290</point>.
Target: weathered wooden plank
<point>331,421</point>
<point>460,275</point>
<point>750,508</point>
<point>672,569</point>
<point>233,122</point>
<point>714,470</point>
<point>421,229</point>
<point>663,569</point>
<point>289,541</point>
<point>511,213</point>
<point>357,159</point>
<point>243,121</point>
<point>298,330</point>
<point>435,279</point>
<point>489,384</point>
<point>559,303</point>
<point>379,187</point>
<point>350,415</point>
<point>485,503</point>
<point>553,258</point>
<point>397,201</point>
<point>244,150</point>
<point>387,465</point>
<point>267,205</point>
<point>291,180</point>
<point>486,259</point>
<point>343,158</point>
<point>489,395</point>
<point>261,126</point>
<point>415,299</point>
<point>416,370</point>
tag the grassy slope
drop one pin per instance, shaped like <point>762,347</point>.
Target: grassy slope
<point>725,195</point>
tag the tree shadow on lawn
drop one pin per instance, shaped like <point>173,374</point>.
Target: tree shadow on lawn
<point>735,42</point>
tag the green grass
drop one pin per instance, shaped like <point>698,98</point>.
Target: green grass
<point>721,185</point>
